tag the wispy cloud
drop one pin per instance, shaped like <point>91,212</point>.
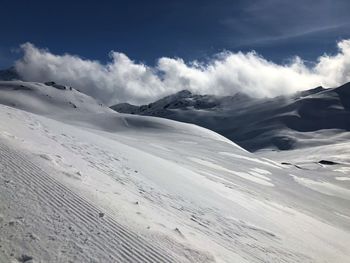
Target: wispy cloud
<point>292,35</point>
<point>226,73</point>
<point>266,22</point>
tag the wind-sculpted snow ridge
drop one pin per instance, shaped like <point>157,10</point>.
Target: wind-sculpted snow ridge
<point>280,123</point>
<point>87,184</point>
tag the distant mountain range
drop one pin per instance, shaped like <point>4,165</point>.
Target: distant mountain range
<point>283,122</point>
<point>313,117</point>
<point>9,74</point>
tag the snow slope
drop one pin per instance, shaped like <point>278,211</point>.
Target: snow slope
<point>86,184</point>
<point>278,123</point>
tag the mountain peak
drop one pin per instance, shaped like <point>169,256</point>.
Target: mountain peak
<point>184,93</point>
<point>9,74</point>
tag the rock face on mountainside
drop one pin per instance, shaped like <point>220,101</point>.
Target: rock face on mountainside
<point>282,122</point>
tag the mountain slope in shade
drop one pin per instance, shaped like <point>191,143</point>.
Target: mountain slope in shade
<point>86,183</point>
<point>256,124</point>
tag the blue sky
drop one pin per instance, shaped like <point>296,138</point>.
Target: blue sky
<point>147,30</point>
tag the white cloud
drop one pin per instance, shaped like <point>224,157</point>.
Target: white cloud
<point>123,80</point>
<point>335,70</point>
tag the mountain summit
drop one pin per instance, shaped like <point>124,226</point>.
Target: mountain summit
<point>9,74</point>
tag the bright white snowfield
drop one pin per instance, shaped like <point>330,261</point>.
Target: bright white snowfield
<point>82,183</point>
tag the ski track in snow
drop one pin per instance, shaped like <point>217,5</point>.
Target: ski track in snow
<point>112,241</point>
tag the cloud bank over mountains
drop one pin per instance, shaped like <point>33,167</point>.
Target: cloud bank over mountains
<point>124,80</point>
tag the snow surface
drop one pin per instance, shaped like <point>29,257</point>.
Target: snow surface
<point>82,183</point>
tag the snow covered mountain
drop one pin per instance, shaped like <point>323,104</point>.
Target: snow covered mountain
<point>282,122</point>
<point>80,182</point>
<point>9,74</point>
